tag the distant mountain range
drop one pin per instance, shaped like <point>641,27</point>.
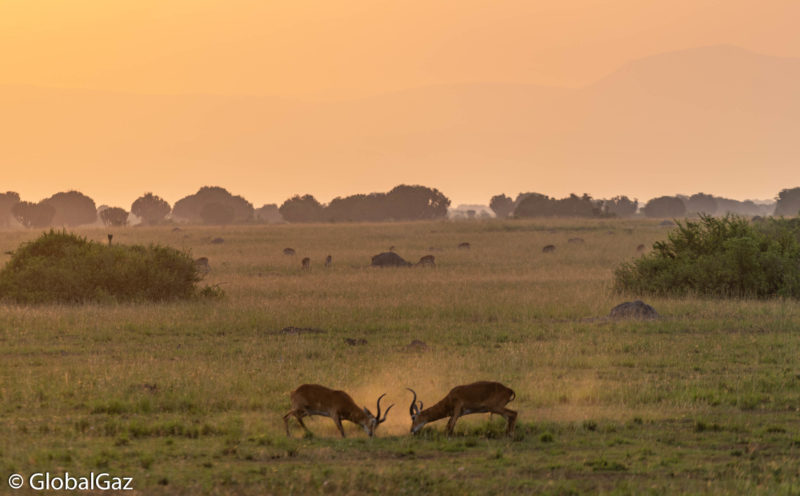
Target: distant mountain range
<point>687,121</point>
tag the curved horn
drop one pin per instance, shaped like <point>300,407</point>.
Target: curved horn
<point>382,420</point>
<point>413,404</point>
<point>378,415</point>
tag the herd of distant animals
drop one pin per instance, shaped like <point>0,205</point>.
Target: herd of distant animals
<point>478,397</point>
<point>385,259</point>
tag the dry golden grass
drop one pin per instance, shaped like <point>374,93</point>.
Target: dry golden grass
<point>187,385</point>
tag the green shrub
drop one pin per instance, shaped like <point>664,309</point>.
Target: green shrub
<point>64,268</point>
<point>724,257</point>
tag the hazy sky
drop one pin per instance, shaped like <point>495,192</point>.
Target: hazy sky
<point>317,50</point>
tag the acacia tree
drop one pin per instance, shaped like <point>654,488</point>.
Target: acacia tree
<point>788,202</point>
<point>701,203</point>
<point>406,202</point>
<point>192,207</point>
<point>114,216</point>
<point>665,206</point>
<point>620,206</point>
<point>217,213</point>
<point>33,214</point>
<point>501,205</point>
<point>7,201</point>
<point>72,208</point>
<point>150,208</point>
<point>268,213</point>
<point>301,209</point>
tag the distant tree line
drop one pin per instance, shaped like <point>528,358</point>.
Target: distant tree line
<point>538,205</point>
<point>216,206</point>
<point>401,203</point>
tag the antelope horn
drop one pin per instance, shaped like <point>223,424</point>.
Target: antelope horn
<point>378,416</point>
<point>413,403</point>
<point>420,406</point>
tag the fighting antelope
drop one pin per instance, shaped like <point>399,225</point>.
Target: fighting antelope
<point>478,397</point>
<point>313,399</point>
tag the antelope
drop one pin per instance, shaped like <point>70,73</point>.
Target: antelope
<point>202,265</point>
<point>313,399</point>
<point>328,261</point>
<point>427,261</point>
<point>306,263</point>
<point>478,397</point>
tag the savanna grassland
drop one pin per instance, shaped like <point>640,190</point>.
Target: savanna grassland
<point>187,398</point>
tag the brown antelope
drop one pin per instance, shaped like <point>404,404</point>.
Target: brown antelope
<point>427,261</point>
<point>306,263</point>
<point>328,261</point>
<point>478,397</point>
<point>313,399</point>
<point>202,265</point>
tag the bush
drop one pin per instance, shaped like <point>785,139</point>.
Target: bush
<point>61,267</point>
<point>727,257</point>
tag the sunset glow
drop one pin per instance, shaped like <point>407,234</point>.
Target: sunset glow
<point>270,99</point>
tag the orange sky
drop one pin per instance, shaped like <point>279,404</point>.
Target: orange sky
<point>351,48</point>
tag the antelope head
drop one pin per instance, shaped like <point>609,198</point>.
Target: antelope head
<point>373,421</point>
<point>417,422</point>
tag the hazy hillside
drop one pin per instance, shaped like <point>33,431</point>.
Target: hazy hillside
<point>681,119</point>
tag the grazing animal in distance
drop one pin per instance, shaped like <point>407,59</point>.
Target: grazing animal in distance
<point>640,248</point>
<point>478,397</point>
<point>110,237</point>
<point>575,240</point>
<point>288,251</point>
<point>389,259</point>
<point>464,246</point>
<point>201,264</point>
<point>306,263</point>
<point>328,261</point>
<point>427,261</point>
<point>313,399</point>
<point>549,249</point>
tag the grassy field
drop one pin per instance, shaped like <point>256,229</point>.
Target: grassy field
<point>187,398</point>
